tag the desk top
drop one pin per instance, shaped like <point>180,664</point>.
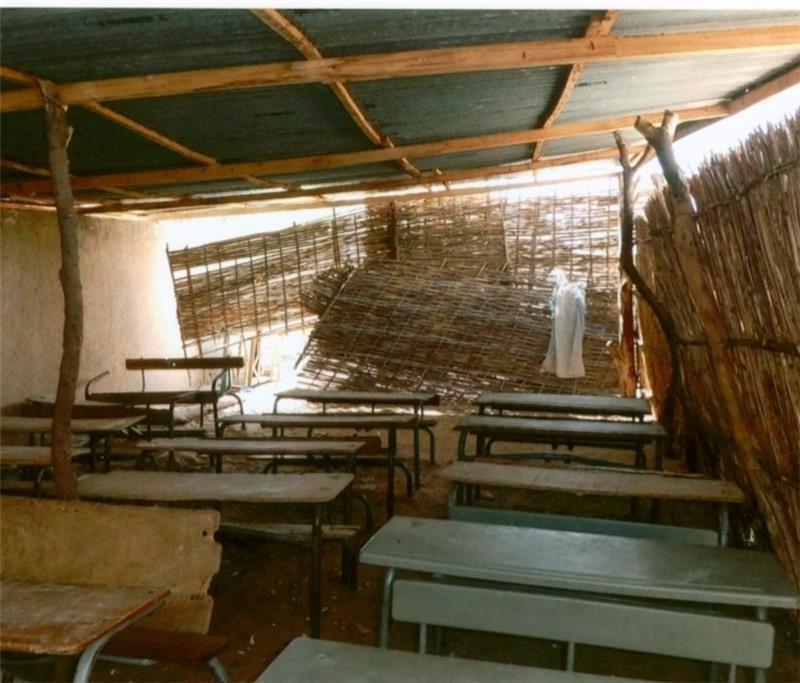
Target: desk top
<point>325,661</point>
<point>255,446</point>
<point>59,619</point>
<point>361,397</point>
<point>43,425</point>
<point>321,420</point>
<point>311,488</point>
<point>539,427</point>
<point>578,404</point>
<point>595,482</point>
<point>35,456</point>
<point>609,565</point>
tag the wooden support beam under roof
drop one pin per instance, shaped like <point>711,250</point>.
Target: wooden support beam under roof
<point>599,25</point>
<point>295,36</point>
<point>522,55</point>
<point>345,159</point>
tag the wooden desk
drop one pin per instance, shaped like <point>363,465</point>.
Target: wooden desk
<point>315,491</point>
<point>98,429</point>
<point>572,404</point>
<point>59,619</point>
<point>30,456</point>
<point>216,448</point>
<point>391,423</point>
<point>414,400</point>
<point>598,482</point>
<point>575,432</point>
<point>326,661</point>
<point>568,561</point>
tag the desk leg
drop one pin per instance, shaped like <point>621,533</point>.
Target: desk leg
<point>759,675</point>
<point>315,589</point>
<point>392,451</point>
<point>660,455</point>
<point>724,525</point>
<point>462,446</point>
<point>386,608</point>
<point>107,453</point>
<point>416,449</point>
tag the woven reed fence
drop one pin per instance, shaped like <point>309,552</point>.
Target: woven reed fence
<point>456,331</point>
<point>748,208</point>
<point>250,285</point>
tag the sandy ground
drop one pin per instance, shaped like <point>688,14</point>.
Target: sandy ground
<point>261,594</point>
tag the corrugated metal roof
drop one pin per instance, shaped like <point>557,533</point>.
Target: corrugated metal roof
<point>68,45</point>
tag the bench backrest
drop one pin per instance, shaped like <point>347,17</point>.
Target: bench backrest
<point>584,620</point>
<point>218,363</point>
<point>117,545</point>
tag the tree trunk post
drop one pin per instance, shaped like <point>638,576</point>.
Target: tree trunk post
<point>58,135</point>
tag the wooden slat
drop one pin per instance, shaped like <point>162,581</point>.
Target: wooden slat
<point>37,456</point>
<point>206,363</point>
<point>345,159</point>
<point>293,35</point>
<point>782,82</point>
<point>418,63</point>
<point>43,425</point>
<point>598,26</point>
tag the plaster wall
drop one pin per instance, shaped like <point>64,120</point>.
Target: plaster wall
<point>129,304</point>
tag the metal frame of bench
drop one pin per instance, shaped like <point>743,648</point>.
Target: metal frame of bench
<point>580,619</point>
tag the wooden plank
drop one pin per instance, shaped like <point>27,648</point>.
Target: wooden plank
<point>522,55</point>
<point>205,363</point>
<point>576,404</point>
<point>609,565</point>
<point>361,397</point>
<point>326,661</point>
<point>323,420</point>
<point>310,488</point>
<point>599,25</point>
<point>48,618</point>
<point>347,159</point>
<point>771,87</point>
<point>255,446</point>
<point>43,425</point>
<point>596,483</point>
<point>35,456</point>
<point>152,397</point>
<point>536,427</point>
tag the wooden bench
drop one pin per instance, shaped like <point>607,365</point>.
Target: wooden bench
<point>584,620</point>
<point>93,544</point>
<point>35,460</point>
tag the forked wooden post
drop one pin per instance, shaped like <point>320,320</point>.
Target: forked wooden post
<point>58,135</point>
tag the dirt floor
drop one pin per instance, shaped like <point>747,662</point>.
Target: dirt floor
<point>261,593</point>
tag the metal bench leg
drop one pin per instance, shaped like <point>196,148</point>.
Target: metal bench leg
<point>570,656</point>
<point>315,588</point>
<point>759,674</point>
<point>423,639</point>
<point>386,608</point>
<point>732,673</point>
<point>409,481</point>
<point>217,670</point>
<point>432,448</point>
<point>417,479</point>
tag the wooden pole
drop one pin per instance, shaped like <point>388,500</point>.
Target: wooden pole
<point>58,135</point>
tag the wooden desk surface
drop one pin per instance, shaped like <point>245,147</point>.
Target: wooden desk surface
<point>541,427</point>
<point>577,404</point>
<point>324,661</point>
<point>595,482</point>
<point>361,397</point>
<point>608,565</point>
<point>59,619</point>
<point>43,425</point>
<point>255,446</point>
<point>311,488</point>
<point>321,420</point>
<point>35,456</point>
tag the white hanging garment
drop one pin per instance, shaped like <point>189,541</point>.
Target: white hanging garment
<point>568,304</point>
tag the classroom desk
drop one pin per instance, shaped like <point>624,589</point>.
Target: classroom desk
<point>326,661</point>
<point>98,429</point>
<point>571,432</point>
<point>569,561</point>
<point>217,448</point>
<point>279,422</point>
<point>414,400</point>
<point>572,404</point>
<point>316,491</point>
<point>596,482</point>
<point>60,619</point>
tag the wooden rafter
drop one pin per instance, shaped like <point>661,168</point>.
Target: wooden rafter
<point>522,55</point>
<point>345,159</point>
<point>24,78</point>
<point>291,33</point>
<point>599,25</point>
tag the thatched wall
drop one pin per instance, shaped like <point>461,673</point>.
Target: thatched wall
<point>748,237</point>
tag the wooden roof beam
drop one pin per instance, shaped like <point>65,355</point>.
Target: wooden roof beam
<point>599,25</point>
<point>522,55</point>
<point>345,159</point>
<point>292,34</point>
